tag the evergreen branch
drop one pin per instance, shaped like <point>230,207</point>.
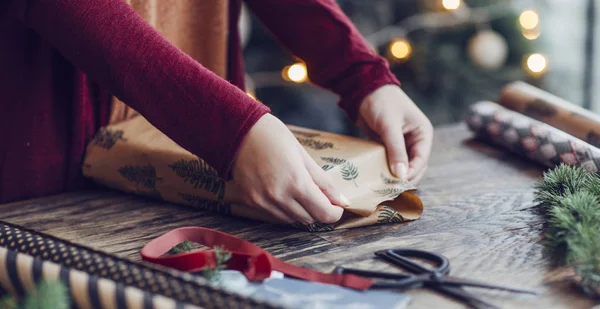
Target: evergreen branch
<point>222,256</point>
<point>47,295</point>
<point>570,198</point>
<point>184,246</point>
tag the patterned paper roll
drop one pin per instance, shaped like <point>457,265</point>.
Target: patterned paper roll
<point>531,138</point>
<point>550,109</point>
<point>85,291</point>
<point>179,286</point>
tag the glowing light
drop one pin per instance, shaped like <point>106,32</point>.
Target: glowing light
<point>531,34</point>
<point>451,4</point>
<point>529,19</point>
<point>252,95</point>
<point>400,49</point>
<point>296,73</point>
<point>536,63</point>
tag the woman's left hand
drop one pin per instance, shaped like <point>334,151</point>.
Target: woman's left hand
<point>389,116</point>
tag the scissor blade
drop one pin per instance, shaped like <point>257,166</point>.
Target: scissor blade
<point>477,284</point>
<point>372,273</point>
<point>463,296</point>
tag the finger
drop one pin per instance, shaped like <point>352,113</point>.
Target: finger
<point>393,139</point>
<point>420,144</point>
<point>322,180</point>
<point>317,204</point>
<point>295,211</point>
<point>259,202</point>
<point>279,214</point>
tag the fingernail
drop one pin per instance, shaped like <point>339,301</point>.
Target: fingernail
<point>400,170</point>
<point>344,199</point>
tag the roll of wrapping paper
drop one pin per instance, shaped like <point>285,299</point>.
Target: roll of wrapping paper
<point>545,107</point>
<point>85,291</point>
<point>181,287</point>
<point>528,137</point>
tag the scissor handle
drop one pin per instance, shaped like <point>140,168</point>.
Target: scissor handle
<point>394,280</point>
<point>400,257</point>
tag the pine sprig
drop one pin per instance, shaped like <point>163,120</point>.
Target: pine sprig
<point>48,295</point>
<point>184,246</point>
<point>570,198</point>
<point>222,256</point>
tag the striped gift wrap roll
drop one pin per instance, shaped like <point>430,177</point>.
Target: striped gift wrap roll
<point>100,280</point>
<point>19,273</point>
<point>530,138</point>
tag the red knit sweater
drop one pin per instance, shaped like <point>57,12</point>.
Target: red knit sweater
<point>62,59</point>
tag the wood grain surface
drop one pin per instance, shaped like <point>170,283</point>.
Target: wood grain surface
<point>478,212</point>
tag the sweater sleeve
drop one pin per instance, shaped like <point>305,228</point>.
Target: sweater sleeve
<point>113,45</point>
<point>336,55</point>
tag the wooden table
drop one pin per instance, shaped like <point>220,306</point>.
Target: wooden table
<point>478,212</point>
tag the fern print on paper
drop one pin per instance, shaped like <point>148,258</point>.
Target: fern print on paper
<point>313,227</point>
<point>314,144</point>
<point>390,181</point>
<point>200,175</point>
<point>334,161</point>
<point>327,167</point>
<point>389,192</point>
<point>143,176</point>
<point>106,138</point>
<point>350,172</point>
<point>389,215</point>
<point>305,134</point>
<point>206,204</point>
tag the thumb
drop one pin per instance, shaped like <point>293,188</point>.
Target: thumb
<point>322,180</point>
<point>393,139</point>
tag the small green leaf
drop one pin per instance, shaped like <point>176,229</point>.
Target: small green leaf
<point>184,246</point>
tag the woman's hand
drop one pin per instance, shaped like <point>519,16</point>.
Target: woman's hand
<point>389,116</point>
<point>276,174</point>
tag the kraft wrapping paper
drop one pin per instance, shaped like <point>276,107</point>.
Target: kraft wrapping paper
<point>530,138</point>
<point>134,156</point>
<point>545,107</point>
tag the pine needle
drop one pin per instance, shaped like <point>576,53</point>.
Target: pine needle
<point>213,274</point>
<point>184,246</point>
<point>570,198</point>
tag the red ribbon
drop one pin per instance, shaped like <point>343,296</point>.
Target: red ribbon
<point>254,262</point>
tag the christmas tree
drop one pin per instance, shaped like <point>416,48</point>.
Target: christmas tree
<point>448,54</point>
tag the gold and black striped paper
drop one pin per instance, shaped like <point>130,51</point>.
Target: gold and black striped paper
<point>99,280</point>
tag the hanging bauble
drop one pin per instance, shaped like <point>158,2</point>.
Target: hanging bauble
<point>488,49</point>
<point>244,26</point>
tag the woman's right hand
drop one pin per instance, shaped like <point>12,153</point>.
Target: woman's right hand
<point>276,174</point>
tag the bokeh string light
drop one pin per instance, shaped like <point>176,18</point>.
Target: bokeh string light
<point>536,63</point>
<point>296,73</point>
<point>529,19</point>
<point>399,47</point>
<point>451,4</point>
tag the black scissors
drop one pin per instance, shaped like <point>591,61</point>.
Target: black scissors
<point>435,278</point>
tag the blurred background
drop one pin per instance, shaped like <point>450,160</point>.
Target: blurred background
<point>448,54</point>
